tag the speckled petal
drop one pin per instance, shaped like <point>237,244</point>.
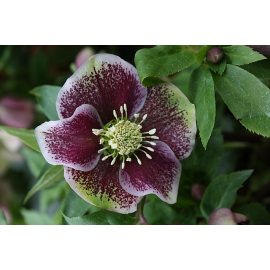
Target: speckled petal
<point>101,187</point>
<point>159,175</point>
<point>170,112</point>
<point>106,82</point>
<point>71,141</point>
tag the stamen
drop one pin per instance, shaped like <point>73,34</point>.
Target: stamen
<point>144,117</point>
<point>97,131</point>
<point>101,141</point>
<point>101,150</point>
<point>146,154</point>
<point>152,131</point>
<point>123,163</point>
<point>128,159</point>
<point>139,146</point>
<point>115,115</point>
<point>121,110</point>
<point>125,108</point>
<point>149,148</point>
<point>136,115</point>
<point>138,159</point>
<point>150,142</point>
<point>113,161</point>
<point>104,158</point>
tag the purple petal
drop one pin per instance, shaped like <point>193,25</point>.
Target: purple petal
<point>106,82</point>
<point>101,187</point>
<point>159,175</point>
<point>71,141</point>
<point>170,112</point>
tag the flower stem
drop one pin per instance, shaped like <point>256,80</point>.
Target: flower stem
<point>140,218</point>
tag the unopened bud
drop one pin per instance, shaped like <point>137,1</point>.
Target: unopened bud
<point>83,56</point>
<point>197,191</point>
<point>214,55</point>
<point>224,216</point>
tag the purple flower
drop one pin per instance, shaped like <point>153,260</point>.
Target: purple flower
<point>117,139</point>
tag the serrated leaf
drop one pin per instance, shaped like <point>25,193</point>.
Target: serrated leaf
<point>212,66</point>
<point>49,178</point>
<point>162,61</point>
<point>202,94</point>
<point>34,159</point>
<point>75,206</point>
<point>46,97</point>
<point>241,55</point>
<point>222,192</point>
<point>256,213</point>
<point>259,69</point>
<point>3,220</point>
<point>33,217</point>
<point>26,135</point>
<point>102,217</point>
<point>201,54</point>
<point>246,97</point>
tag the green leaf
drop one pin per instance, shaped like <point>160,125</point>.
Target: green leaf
<point>49,178</point>
<point>75,206</point>
<point>202,94</point>
<point>34,159</point>
<point>32,217</point>
<point>214,67</point>
<point>256,213</point>
<point>201,54</point>
<point>241,55</point>
<point>102,217</point>
<point>186,216</point>
<point>222,192</point>
<point>162,61</point>
<point>26,135</point>
<point>46,97</point>
<point>247,98</point>
<point>222,66</point>
<point>259,69</point>
<point>3,220</point>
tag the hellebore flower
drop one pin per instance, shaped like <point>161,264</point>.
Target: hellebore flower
<point>83,56</point>
<point>118,140</point>
<point>224,216</point>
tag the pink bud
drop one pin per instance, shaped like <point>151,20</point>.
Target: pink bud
<point>16,112</point>
<point>197,191</point>
<point>83,56</point>
<point>262,49</point>
<point>214,55</point>
<point>224,216</point>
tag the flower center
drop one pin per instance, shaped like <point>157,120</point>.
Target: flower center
<point>122,138</point>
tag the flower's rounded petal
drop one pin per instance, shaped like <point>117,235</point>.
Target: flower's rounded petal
<point>170,112</point>
<point>101,187</point>
<point>71,141</point>
<point>159,175</point>
<point>106,82</point>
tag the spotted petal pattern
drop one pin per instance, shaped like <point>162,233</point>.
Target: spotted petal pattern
<point>106,82</point>
<point>101,187</point>
<point>159,175</point>
<point>170,112</point>
<point>71,141</point>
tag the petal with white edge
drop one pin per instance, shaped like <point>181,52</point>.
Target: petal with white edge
<point>71,141</point>
<point>159,175</point>
<point>173,116</point>
<point>106,82</point>
<point>101,187</point>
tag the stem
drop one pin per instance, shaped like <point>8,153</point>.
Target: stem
<point>140,218</point>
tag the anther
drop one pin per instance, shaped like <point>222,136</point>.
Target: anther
<point>101,141</point>
<point>128,159</point>
<point>113,161</point>
<point>144,117</point>
<point>121,110</point>
<point>136,115</point>
<point>154,137</point>
<point>139,146</point>
<point>97,131</point>
<point>152,131</point>
<point>123,163</point>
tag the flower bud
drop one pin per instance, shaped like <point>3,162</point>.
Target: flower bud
<point>197,191</point>
<point>224,216</point>
<point>214,55</point>
<point>83,56</point>
<point>262,49</point>
<point>16,112</point>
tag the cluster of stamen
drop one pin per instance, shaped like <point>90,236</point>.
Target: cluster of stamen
<point>122,138</point>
